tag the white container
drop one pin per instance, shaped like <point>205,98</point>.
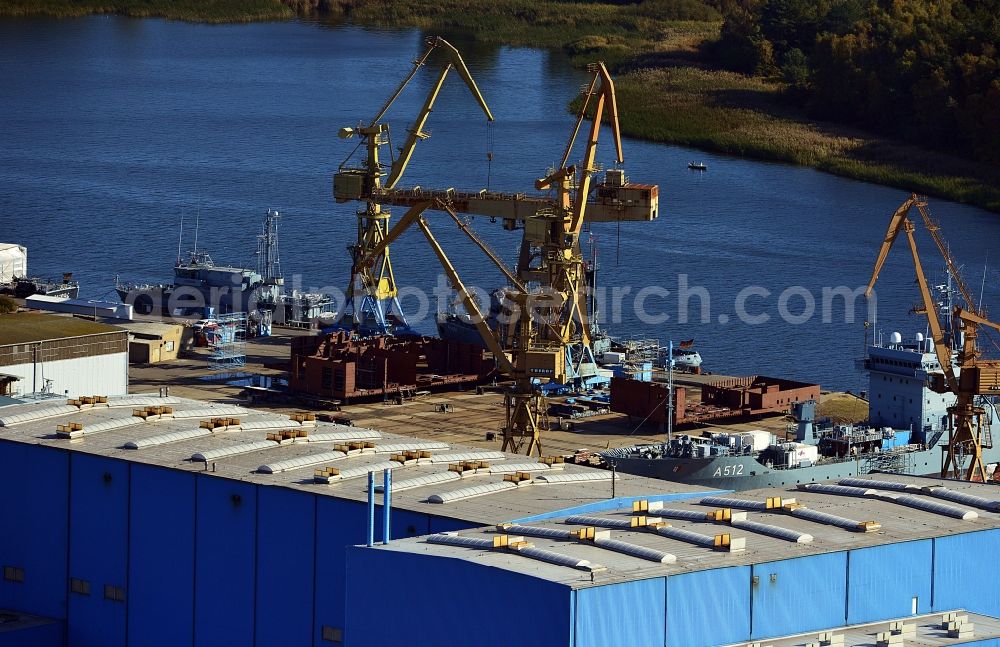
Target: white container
<point>759,440</point>
<point>801,452</point>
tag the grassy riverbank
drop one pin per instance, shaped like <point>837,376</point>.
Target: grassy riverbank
<point>667,92</point>
<point>211,11</point>
<point>743,116</point>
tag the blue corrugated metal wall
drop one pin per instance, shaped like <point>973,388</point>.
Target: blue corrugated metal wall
<point>806,594</point>
<point>145,528</point>
<point>338,523</point>
<point>161,557</point>
<point>630,613</point>
<point>34,497</point>
<point>47,635</point>
<point>708,608</point>
<point>960,580</point>
<point>225,562</point>
<point>286,544</point>
<point>98,549</point>
<point>883,580</point>
<point>341,523</point>
<point>396,597</point>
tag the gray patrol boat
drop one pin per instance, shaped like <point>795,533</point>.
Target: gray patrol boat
<point>906,433</point>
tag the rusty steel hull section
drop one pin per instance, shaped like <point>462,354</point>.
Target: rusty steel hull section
<point>346,367</point>
<point>733,398</point>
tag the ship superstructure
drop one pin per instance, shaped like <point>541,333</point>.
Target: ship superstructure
<point>200,287</point>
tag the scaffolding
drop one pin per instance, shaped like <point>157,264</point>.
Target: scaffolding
<point>228,341</point>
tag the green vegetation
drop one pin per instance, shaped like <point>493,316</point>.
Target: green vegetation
<point>902,92</point>
<point>922,71</point>
<point>213,11</point>
<point>748,117</point>
<point>7,305</point>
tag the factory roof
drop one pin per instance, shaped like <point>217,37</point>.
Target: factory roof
<point>793,529</point>
<point>27,327</point>
<point>149,328</point>
<point>242,452</point>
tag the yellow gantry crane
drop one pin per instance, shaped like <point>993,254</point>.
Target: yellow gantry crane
<point>549,255</point>
<point>371,292</point>
<point>969,430</point>
<point>550,319</point>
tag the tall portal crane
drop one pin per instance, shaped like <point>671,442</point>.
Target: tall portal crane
<point>550,255</point>
<point>550,246</point>
<point>551,318</point>
<point>969,430</point>
<point>371,292</point>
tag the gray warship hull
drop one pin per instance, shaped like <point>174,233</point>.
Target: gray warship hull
<point>747,473</point>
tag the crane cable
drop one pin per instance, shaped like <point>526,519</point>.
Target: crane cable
<point>489,153</point>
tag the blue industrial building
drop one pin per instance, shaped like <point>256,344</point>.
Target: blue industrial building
<point>152,521</point>
<point>802,574</point>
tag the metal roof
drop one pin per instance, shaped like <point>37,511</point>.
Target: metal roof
<point>151,328</point>
<point>171,440</point>
<point>28,327</point>
<point>833,522</point>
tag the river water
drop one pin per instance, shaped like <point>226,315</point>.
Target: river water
<point>113,128</point>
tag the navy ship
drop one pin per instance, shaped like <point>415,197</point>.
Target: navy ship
<point>22,287</point>
<point>906,433</point>
<point>201,287</point>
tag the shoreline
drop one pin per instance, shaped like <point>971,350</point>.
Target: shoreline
<point>668,94</point>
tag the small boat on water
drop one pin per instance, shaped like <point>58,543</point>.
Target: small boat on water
<point>697,166</point>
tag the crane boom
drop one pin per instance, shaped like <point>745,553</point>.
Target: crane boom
<point>895,226</point>
<point>900,222</point>
<point>417,130</point>
<point>934,229</point>
<point>470,303</point>
<point>966,315</point>
<point>968,429</point>
<point>605,99</point>
<point>474,237</point>
<point>941,347</point>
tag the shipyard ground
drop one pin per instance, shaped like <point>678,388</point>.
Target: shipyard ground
<point>468,419</point>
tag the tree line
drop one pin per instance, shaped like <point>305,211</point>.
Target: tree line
<point>925,71</point>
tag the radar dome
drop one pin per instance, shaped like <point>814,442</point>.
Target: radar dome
<point>895,338</point>
<point>920,337</point>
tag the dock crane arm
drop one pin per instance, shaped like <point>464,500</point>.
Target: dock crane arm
<point>474,237</point>
<point>417,130</point>
<point>934,229</point>
<point>412,216</point>
<point>901,223</point>
<point>605,100</point>
<point>489,337</point>
<point>895,226</point>
<point>972,317</point>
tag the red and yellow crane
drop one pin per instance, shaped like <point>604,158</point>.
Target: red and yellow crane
<point>969,430</point>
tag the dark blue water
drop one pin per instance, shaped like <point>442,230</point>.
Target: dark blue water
<point>112,128</point>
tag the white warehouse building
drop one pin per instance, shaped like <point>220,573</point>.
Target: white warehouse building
<point>61,355</point>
